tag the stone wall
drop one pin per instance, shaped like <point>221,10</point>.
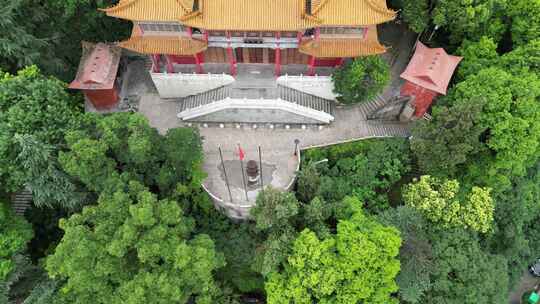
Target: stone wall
<point>180,85</point>
<point>321,86</point>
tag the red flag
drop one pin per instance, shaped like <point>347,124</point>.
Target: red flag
<point>241,153</point>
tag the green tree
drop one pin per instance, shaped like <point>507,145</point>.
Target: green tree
<point>123,146</point>
<point>365,169</point>
<point>133,248</point>
<point>502,138</point>
<point>309,182</point>
<point>357,264</point>
<point>524,57</point>
<point>517,209</point>
<point>50,186</point>
<point>447,142</point>
<point>36,105</point>
<point>477,55</point>
<point>525,16</point>
<point>361,80</point>
<point>15,233</point>
<point>19,45</point>
<point>275,215</point>
<point>42,33</point>
<point>464,273</point>
<point>440,202</point>
<point>416,253</point>
<point>470,19</point>
<point>415,13</point>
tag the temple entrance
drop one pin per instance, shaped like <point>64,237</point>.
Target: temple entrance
<point>255,55</point>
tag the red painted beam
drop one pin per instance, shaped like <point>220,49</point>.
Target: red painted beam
<point>340,62</point>
<point>299,36</point>
<point>190,32</point>
<point>317,34</point>
<point>206,36</point>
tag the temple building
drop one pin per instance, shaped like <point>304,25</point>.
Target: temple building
<point>222,48</point>
<point>428,74</point>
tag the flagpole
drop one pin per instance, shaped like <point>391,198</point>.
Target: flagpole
<point>242,168</point>
<point>225,173</point>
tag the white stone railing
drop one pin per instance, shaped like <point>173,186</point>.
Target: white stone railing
<point>259,104</point>
<point>178,85</point>
<point>321,86</point>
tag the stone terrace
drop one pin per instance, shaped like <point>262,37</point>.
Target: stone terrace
<point>277,143</point>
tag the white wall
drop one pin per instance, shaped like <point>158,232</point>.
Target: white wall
<point>321,86</point>
<point>179,85</point>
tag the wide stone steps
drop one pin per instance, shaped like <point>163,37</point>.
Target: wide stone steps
<point>381,129</point>
<point>371,106</point>
<point>306,100</point>
<point>21,201</point>
<point>205,98</point>
<point>284,93</point>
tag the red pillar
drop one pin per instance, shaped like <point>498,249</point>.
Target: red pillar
<point>278,55</point>
<point>155,63</point>
<point>199,60</point>
<point>278,61</point>
<point>311,70</point>
<point>232,60</point>
<point>170,68</point>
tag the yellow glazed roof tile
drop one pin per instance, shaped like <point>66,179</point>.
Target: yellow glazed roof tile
<point>170,45</point>
<point>150,10</point>
<point>256,15</point>
<point>343,47</point>
<point>354,12</point>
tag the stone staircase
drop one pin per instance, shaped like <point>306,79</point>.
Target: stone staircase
<point>205,98</point>
<point>284,93</point>
<point>21,201</point>
<point>306,100</point>
<point>371,106</point>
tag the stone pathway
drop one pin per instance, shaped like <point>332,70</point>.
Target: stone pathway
<point>277,144</point>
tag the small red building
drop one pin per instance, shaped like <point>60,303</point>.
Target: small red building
<point>96,75</point>
<point>428,75</point>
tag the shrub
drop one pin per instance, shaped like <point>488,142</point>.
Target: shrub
<point>361,79</point>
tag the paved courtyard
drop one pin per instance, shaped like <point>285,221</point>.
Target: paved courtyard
<point>277,143</point>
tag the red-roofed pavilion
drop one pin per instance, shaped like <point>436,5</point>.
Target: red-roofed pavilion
<point>97,74</point>
<point>428,75</point>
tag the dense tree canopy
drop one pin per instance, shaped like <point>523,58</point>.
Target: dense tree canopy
<point>415,254</point>
<point>464,273</point>
<point>361,80</point>
<point>441,202</point>
<point>501,139</point>
<point>525,20</point>
<point>365,169</point>
<point>123,146</point>
<point>133,248</point>
<point>42,33</point>
<point>15,233</point>
<point>357,264</point>
<point>33,104</point>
